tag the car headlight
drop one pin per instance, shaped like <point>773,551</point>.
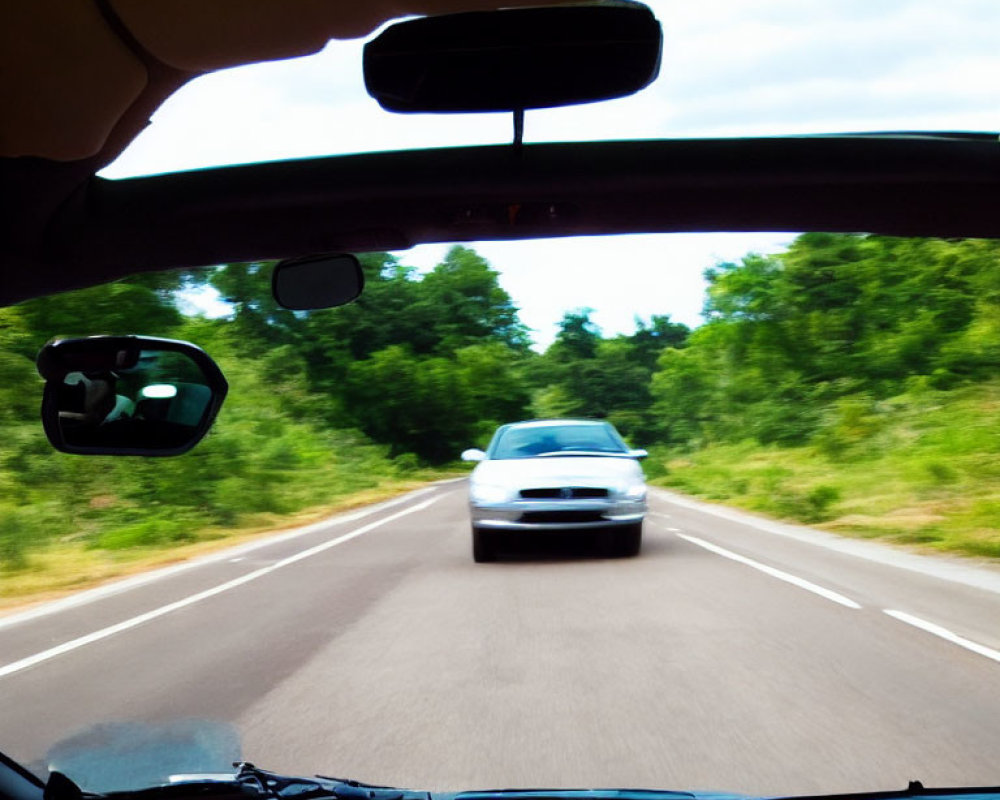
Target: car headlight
<point>485,494</point>
<point>637,492</point>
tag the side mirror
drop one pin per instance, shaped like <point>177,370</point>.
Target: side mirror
<point>128,395</point>
<point>306,284</point>
<point>639,455</point>
<point>473,455</point>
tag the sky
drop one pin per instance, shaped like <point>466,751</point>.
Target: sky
<point>730,68</point>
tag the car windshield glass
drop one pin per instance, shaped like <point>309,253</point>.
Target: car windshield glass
<point>742,511</point>
<point>540,440</point>
<point>846,383</point>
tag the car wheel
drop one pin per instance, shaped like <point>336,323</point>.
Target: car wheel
<point>628,540</point>
<point>482,545</point>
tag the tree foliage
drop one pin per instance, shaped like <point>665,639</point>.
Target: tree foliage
<point>788,336</point>
<point>585,375</point>
<point>798,347</point>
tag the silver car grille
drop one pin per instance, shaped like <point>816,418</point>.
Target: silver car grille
<point>564,493</point>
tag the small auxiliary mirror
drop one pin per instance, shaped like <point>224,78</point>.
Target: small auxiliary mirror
<point>313,282</point>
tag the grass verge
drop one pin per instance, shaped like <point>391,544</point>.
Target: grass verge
<point>62,567</point>
<point>923,471</point>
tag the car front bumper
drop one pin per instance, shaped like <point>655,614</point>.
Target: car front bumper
<point>525,515</point>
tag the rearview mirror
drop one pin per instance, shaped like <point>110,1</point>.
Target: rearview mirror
<point>514,59</point>
<point>306,284</point>
<point>128,395</point>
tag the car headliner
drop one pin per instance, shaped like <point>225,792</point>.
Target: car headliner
<point>63,228</point>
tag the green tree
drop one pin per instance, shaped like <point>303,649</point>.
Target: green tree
<point>463,296</point>
<point>114,308</point>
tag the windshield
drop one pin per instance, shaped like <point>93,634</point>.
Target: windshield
<point>791,585</point>
<point>304,575</point>
<point>540,440</point>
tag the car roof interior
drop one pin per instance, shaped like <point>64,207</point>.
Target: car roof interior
<point>64,227</point>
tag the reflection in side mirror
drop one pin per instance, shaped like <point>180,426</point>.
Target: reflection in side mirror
<point>473,455</point>
<point>305,284</point>
<point>128,395</point>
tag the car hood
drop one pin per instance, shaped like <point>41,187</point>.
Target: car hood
<point>527,473</point>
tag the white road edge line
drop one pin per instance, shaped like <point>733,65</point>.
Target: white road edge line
<point>944,633</point>
<point>936,566</point>
<point>774,573</point>
<point>664,516</point>
<point>125,625</point>
<point>125,584</point>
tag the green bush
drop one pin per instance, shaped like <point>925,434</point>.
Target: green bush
<point>145,534</point>
<point>851,422</point>
<point>13,541</point>
<point>406,463</point>
<point>939,472</point>
<point>805,506</point>
<point>655,466</point>
<point>820,498</point>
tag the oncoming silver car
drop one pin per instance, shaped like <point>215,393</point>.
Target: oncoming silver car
<point>556,474</point>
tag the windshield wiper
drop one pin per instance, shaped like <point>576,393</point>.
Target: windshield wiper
<point>915,789</point>
<point>284,787</point>
<point>248,782</point>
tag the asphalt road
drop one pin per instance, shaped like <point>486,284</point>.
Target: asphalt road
<point>732,654</point>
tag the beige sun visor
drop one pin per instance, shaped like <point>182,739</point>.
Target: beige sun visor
<point>80,78</point>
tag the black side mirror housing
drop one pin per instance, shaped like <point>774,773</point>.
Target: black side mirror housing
<point>128,395</point>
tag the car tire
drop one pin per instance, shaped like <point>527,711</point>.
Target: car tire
<point>482,546</point>
<point>628,540</point>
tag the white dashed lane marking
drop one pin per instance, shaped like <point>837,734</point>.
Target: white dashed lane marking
<point>944,633</point>
<point>781,575</point>
<point>902,616</point>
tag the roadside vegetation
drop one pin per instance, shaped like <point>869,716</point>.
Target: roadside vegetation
<point>927,474</point>
<point>852,381</point>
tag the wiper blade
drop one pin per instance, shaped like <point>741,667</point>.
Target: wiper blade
<point>913,790</point>
<point>283,787</point>
<point>250,781</point>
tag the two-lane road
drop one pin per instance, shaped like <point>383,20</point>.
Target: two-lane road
<point>732,654</point>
